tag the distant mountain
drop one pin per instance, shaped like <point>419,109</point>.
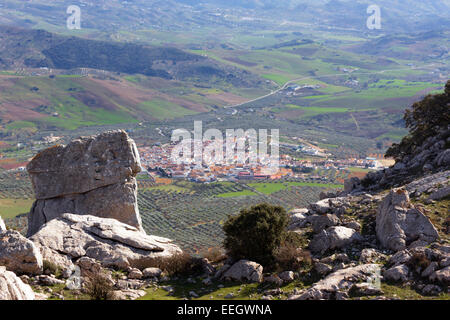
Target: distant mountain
<point>111,16</point>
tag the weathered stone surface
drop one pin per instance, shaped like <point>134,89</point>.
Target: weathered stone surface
<point>152,272</point>
<point>287,276</point>
<point>244,270</point>
<point>127,294</point>
<point>83,165</point>
<point>18,254</point>
<point>298,218</point>
<point>321,222</point>
<point>370,255</point>
<point>399,223</point>
<point>90,176</point>
<point>2,225</point>
<point>442,276</point>
<point>112,243</point>
<point>12,288</point>
<point>333,238</point>
<point>398,274</point>
<point>322,268</point>
<point>339,282</point>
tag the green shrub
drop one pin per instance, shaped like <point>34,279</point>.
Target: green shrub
<point>424,120</point>
<point>99,287</point>
<point>256,233</point>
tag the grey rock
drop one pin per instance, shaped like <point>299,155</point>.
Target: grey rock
<point>322,268</point>
<point>135,273</point>
<point>365,289</point>
<point>108,241</point>
<point>370,255</point>
<point>18,254</point>
<point>287,276</point>
<point>442,276</point>
<point>274,279</point>
<point>440,194</point>
<point>321,222</point>
<point>338,282</point>
<point>334,238</point>
<point>45,280</point>
<point>398,273</point>
<point>12,287</point>
<point>244,270</point>
<point>430,269</point>
<point>152,272</point>
<point>431,290</point>
<point>398,222</point>
<point>90,176</point>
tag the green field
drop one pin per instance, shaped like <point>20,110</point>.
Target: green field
<point>9,208</point>
<point>272,187</point>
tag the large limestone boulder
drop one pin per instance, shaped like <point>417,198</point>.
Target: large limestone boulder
<point>399,223</point>
<point>333,238</point>
<point>244,270</point>
<point>110,242</point>
<point>340,282</point>
<point>18,254</point>
<point>12,288</point>
<point>90,176</point>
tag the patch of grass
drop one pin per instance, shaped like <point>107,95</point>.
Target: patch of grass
<point>162,109</point>
<point>272,187</point>
<point>10,208</point>
<point>407,293</point>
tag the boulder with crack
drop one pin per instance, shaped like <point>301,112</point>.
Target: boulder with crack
<point>90,176</point>
<point>110,242</point>
<point>18,254</point>
<point>399,223</point>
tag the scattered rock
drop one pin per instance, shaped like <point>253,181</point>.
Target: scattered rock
<point>18,254</point>
<point>90,176</point>
<point>365,289</point>
<point>245,270</point>
<point>431,290</point>
<point>321,222</point>
<point>430,269</point>
<point>112,243</point>
<point>336,285</point>
<point>370,255</point>
<point>442,276</point>
<point>399,223</point>
<point>45,280</point>
<point>152,272</point>
<point>193,294</point>
<point>355,225</point>
<point>287,276</point>
<point>127,294</point>
<point>322,269</point>
<point>333,238</point>
<point>12,288</point>
<point>135,274</point>
<point>229,296</point>
<point>397,274</point>
<point>273,279</point>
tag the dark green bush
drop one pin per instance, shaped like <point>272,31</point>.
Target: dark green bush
<point>256,233</point>
<point>423,120</point>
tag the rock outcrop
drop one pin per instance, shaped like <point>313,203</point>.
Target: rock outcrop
<point>110,242</point>
<point>12,288</point>
<point>399,223</point>
<point>337,285</point>
<point>18,254</point>
<point>90,176</point>
<point>244,270</point>
<point>334,238</point>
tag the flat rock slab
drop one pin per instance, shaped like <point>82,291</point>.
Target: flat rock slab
<point>110,242</point>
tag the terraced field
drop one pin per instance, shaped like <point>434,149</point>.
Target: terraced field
<point>193,214</point>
